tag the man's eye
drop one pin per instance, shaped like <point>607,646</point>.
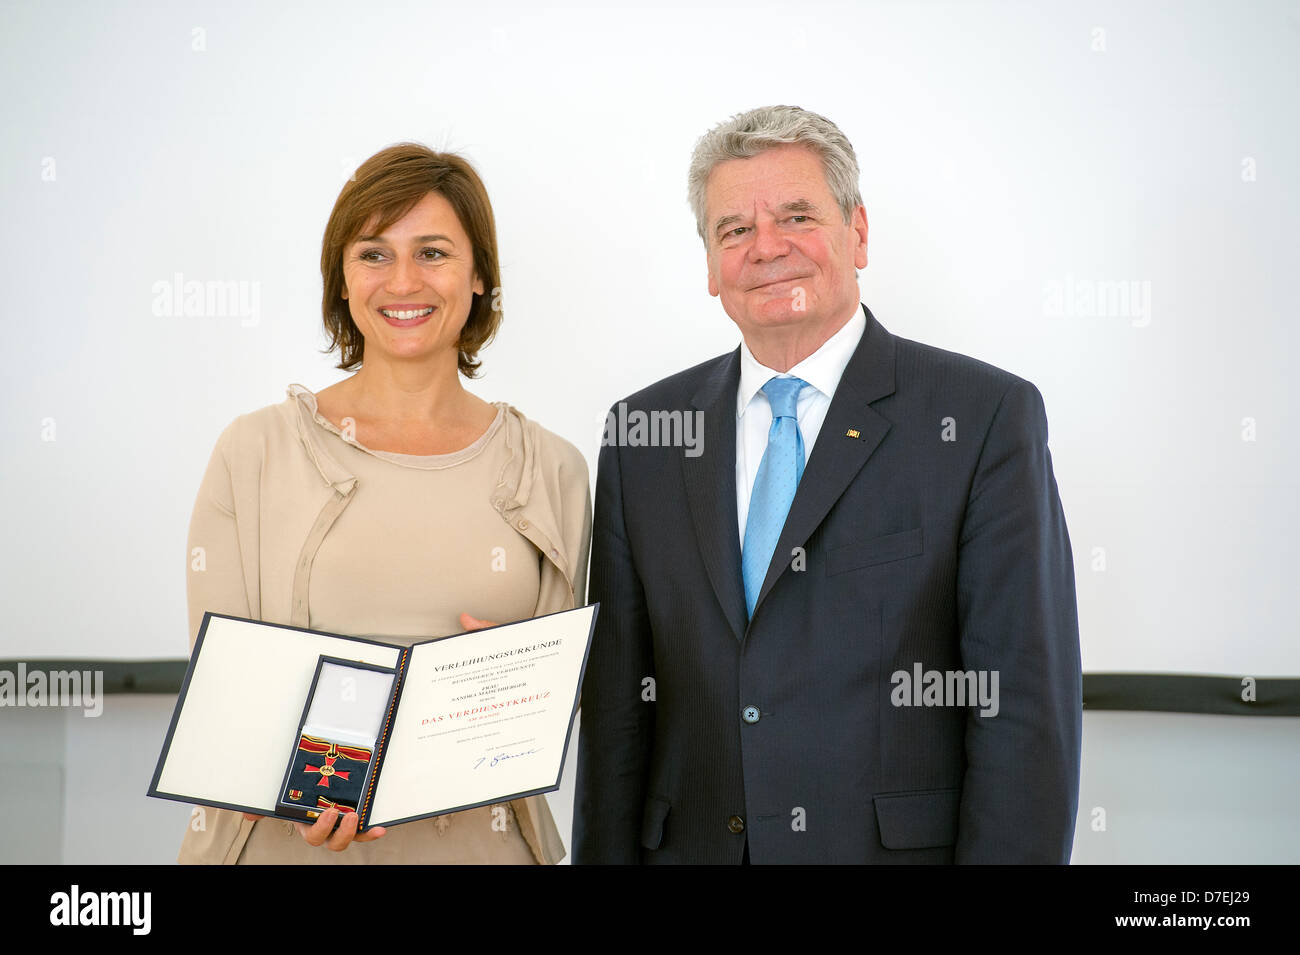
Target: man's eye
<point>738,230</point>
<point>798,218</point>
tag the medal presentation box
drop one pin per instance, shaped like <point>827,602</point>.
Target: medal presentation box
<point>286,722</point>
<point>333,759</point>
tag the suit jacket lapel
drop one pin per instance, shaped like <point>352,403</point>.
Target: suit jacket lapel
<point>711,490</point>
<point>837,456</point>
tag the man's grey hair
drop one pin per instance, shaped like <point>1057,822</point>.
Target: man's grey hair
<point>747,134</point>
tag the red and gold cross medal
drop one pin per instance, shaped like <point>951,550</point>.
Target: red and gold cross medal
<point>331,752</point>
<point>327,770</point>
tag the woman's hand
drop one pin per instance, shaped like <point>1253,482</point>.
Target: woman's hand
<point>473,623</point>
<point>318,833</point>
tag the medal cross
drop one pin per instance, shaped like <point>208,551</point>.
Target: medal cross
<point>327,771</point>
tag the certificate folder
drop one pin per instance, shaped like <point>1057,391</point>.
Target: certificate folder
<point>270,717</point>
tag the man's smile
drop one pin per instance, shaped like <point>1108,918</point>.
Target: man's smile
<point>784,281</point>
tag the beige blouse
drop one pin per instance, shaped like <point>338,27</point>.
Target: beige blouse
<point>434,547</point>
<point>419,543</point>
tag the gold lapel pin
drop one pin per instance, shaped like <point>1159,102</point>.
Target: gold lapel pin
<point>853,433</point>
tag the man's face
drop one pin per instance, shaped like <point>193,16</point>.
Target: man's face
<point>780,253</point>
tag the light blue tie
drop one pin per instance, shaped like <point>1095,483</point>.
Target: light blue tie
<point>778,476</point>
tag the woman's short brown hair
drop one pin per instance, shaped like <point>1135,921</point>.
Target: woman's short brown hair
<point>388,185</point>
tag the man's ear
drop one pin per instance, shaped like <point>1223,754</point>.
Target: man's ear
<point>713,279</point>
<point>859,224</point>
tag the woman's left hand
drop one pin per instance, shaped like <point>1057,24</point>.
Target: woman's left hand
<point>473,623</point>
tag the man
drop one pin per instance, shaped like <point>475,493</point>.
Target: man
<point>843,629</point>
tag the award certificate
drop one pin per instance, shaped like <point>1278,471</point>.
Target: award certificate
<point>286,722</point>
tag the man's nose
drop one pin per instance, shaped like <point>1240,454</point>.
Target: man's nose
<point>769,242</point>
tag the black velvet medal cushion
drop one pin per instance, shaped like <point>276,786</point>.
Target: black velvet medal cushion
<point>324,773</point>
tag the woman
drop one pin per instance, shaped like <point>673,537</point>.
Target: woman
<point>394,503</point>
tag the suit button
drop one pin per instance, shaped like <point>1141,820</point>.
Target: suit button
<point>736,825</point>
<point>750,714</point>
<point>522,525</point>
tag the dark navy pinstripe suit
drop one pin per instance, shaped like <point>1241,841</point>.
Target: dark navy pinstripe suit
<point>949,553</point>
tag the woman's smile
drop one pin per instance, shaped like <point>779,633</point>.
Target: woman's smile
<point>405,316</point>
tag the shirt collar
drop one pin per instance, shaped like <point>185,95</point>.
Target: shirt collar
<point>822,369</point>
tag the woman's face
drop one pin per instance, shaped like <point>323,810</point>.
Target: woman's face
<point>410,289</point>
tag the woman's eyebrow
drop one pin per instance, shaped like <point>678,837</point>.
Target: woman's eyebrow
<point>418,238</point>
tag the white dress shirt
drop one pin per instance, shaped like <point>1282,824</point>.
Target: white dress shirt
<point>822,370</point>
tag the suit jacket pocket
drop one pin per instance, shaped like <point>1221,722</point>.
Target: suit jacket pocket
<point>652,822</point>
<point>922,819</point>
<point>877,550</point>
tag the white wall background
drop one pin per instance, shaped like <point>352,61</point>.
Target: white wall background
<point>1006,148</point>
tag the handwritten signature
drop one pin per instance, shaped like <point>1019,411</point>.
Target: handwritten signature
<point>502,757</point>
